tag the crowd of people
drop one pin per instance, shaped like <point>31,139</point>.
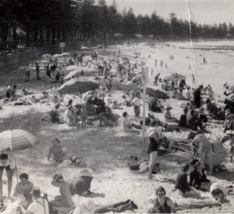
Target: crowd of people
<point>98,105</point>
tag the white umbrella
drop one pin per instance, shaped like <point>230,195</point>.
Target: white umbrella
<point>84,48</point>
<point>46,56</point>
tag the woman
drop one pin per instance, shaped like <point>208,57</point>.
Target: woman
<point>182,185</point>
<point>24,190</point>
<point>218,193</point>
<point>57,151</point>
<point>127,125</point>
<point>155,135</point>
<point>65,199</point>
<point>161,203</point>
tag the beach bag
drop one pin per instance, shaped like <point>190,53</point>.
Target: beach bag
<point>133,163</point>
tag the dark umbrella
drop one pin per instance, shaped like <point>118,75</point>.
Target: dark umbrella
<point>81,182</point>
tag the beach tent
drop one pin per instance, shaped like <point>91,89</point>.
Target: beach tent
<point>219,153</point>
<point>156,93</point>
<point>78,85</point>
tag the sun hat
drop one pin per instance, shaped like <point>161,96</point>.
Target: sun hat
<point>86,207</point>
<point>152,131</point>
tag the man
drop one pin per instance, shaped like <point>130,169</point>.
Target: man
<point>193,121</point>
<point>197,96</point>
<point>38,71</point>
<point>27,73</point>
<point>8,164</point>
<point>136,105</point>
<point>39,205</point>
<point>156,79</point>
<point>54,114</point>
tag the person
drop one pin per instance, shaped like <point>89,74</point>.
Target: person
<point>108,118</point>
<point>229,121</point>
<point>155,135</point>
<point>231,148</point>
<point>167,115</point>
<point>69,116</point>
<point>194,81</point>
<point>24,189</point>
<point>195,177</point>
<point>183,119</point>
<point>39,205</point>
<point>136,105</point>
<point>218,192</point>
<point>197,97</point>
<point>182,185</point>
<point>65,199</point>
<point>187,93</point>
<point>27,73</point>
<point>203,116</point>
<point>89,206</point>
<point>114,105</point>
<point>9,91</point>
<point>161,203</point>
<point>13,92</point>
<point>127,125</point>
<point>193,121</point>
<point>153,105</point>
<point>83,116</point>
<point>214,111</point>
<point>57,151</point>
<point>156,79</point>
<point>181,87</point>
<point>204,148</point>
<point>48,71</point>
<point>8,164</point>
<point>54,114</point>
<point>38,71</point>
<point>108,100</point>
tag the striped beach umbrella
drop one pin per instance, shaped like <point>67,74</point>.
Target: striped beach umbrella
<point>16,139</point>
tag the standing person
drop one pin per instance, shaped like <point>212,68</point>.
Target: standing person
<point>39,205</point>
<point>155,63</point>
<point>9,91</point>
<point>155,135</point>
<point>136,104</point>
<point>204,148</point>
<point>38,71</point>
<point>8,164</point>
<point>24,189</point>
<point>161,63</point>
<point>194,81</point>
<point>152,72</point>
<point>27,73</point>
<point>156,79</point>
<point>197,97</point>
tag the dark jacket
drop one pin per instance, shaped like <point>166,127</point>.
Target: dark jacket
<point>182,182</point>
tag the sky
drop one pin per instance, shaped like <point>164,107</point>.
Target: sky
<point>202,11</point>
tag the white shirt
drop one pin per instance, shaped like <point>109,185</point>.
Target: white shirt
<point>136,101</point>
<point>39,206</point>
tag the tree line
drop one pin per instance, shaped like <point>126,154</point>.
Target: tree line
<point>41,22</point>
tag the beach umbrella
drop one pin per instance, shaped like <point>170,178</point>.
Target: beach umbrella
<point>66,55</point>
<point>57,55</point>
<point>84,48</point>
<point>45,56</point>
<point>81,182</point>
<point>176,77</point>
<point>73,74</point>
<point>78,85</point>
<point>156,93</point>
<point>16,139</point>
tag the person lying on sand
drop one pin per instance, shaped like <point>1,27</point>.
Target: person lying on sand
<point>89,207</point>
<point>108,118</point>
<point>218,193</point>
<point>160,202</point>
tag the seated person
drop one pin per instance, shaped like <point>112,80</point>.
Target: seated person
<point>90,108</point>
<point>160,202</point>
<point>193,121</point>
<point>57,151</point>
<point>182,185</point>
<point>214,111</point>
<point>34,99</point>
<point>218,192</point>
<point>183,119</point>
<point>203,116</point>
<point>108,100</point>
<point>154,105</point>
<point>54,114</point>
<point>127,125</point>
<point>65,199</point>
<point>115,105</point>
<point>70,117</point>
<point>89,207</point>
<point>229,121</point>
<point>24,189</point>
<point>167,115</point>
<point>195,177</point>
<point>108,118</point>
